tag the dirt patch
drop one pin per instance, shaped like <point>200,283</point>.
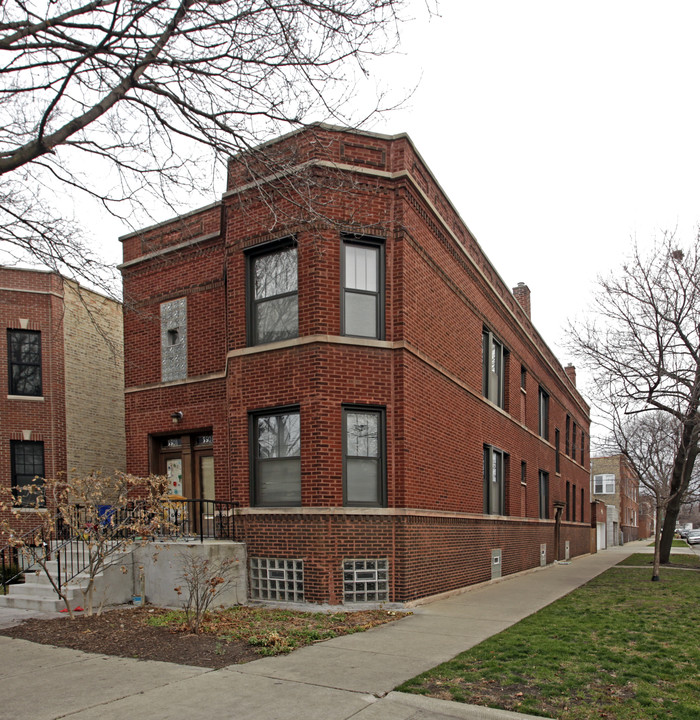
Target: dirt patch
<point>229,637</point>
<point>124,633</point>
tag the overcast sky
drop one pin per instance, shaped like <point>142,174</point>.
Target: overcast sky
<point>559,130</point>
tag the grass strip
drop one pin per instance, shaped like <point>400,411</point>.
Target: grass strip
<point>676,560</point>
<point>619,647</point>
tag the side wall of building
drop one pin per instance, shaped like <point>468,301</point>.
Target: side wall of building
<point>94,382</point>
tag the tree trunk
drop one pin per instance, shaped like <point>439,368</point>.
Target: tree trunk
<point>680,478</point>
<point>657,538</point>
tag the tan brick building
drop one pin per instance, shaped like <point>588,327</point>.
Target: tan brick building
<point>614,482</point>
<point>61,354</point>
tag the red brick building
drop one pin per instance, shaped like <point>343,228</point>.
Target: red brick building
<point>61,366</point>
<point>331,349</point>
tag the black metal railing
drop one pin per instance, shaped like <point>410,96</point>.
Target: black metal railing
<point>205,519</point>
<point>183,518</point>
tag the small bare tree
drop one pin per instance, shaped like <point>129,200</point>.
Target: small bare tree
<point>205,579</point>
<point>641,342</point>
<point>98,517</point>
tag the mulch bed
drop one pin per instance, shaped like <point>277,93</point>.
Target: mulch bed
<point>124,633</point>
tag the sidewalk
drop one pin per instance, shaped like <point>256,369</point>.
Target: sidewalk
<point>351,676</point>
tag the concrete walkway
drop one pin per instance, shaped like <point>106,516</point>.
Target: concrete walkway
<point>348,677</point>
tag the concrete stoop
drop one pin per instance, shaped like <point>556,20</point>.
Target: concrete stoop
<point>112,586</point>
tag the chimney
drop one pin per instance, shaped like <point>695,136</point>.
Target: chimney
<point>570,371</point>
<point>522,295</point>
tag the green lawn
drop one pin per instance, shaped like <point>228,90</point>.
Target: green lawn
<point>676,559</point>
<point>619,647</point>
<point>676,542</point>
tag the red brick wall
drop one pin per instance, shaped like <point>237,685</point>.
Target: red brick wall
<point>440,292</point>
<point>427,555</point>
<point>36,297</point>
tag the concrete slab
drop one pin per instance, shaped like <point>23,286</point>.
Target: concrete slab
<point>339,668</point>
<point>447,627</point>
<point>230,694</point>
<point>392,642</point>
<point>9,617</point>
<point>64,681</point>
<point>402,706</point>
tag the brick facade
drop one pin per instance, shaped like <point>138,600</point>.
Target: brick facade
<point>423,371</point>
<point>79,415</point>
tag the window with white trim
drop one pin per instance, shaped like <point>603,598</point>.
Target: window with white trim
<point>604,484</point>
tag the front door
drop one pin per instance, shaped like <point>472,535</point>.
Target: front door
<point>187,461</point>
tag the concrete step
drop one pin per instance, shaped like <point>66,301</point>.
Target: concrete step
<point>45,590</point>
<point>25,602</point>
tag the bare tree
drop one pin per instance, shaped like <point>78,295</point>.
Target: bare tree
<point>641,343</point>
<point>129,102</point>
<point>649,442</point>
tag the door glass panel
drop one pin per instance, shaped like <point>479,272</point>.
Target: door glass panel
<point>206,473</point>
<point>173,471</point>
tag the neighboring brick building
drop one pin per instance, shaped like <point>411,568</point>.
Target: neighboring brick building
<point>615,483</point>
<point>62,357</point>
<point>359,380</point>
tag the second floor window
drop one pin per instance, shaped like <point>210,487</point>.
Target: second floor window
<point>363,303</point>
<point>493,358</point>
<point>604,484</point>
<point>543,425</point>
<point>24,354</point>
<point>273,312</point>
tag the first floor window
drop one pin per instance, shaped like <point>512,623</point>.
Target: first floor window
<point>494,481</point>
<point>27,458</point>
<point>363,457</point>
<point>24,355</point>
<point>544,494</point>
<point>276,461</point>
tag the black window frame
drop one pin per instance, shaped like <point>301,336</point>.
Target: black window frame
<point>380,411</point>
<point>489,453</point>
<point>543,494</point>
<point>255,461</point>
<point>492,346</point>
<point>567,515</point>
<point>583,442</point>
<point>568,434</point>
<point>574,428</point>
<point>36,478</point>
<point>543,413</point>
<point>12,388</point>
<point>252,254</point>
<point>377,243</point>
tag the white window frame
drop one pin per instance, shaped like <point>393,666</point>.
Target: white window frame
<point>606,483</point>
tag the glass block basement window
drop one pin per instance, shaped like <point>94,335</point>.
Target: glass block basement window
<point>277,579</point>
<point>366,580</point>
